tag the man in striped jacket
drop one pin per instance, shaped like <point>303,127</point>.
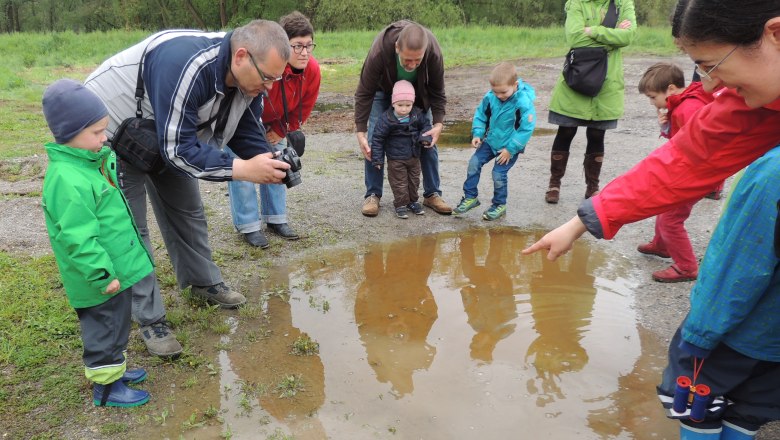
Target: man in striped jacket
<point>200,89</point>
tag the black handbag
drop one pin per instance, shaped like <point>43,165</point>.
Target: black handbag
<point>585,68</point>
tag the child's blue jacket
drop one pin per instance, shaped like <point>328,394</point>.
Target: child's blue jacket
<point>509,124</point>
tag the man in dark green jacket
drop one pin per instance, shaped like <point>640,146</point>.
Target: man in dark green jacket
<point>402,51</point>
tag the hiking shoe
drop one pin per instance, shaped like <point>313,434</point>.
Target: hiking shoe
<point>552,196</point>
<point>371,206</point>
<point>402,212</point>
<point>118,394</point>
<point>494,212</point>
<point>673,274</point>
<point>465,205</point>
<point>416,208</point>
<point>219,294</point>
<point>160,340</point>
<point>438,204</point>
<point>652,249</point>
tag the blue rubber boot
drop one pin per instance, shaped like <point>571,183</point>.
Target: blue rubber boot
<point>691,433</point>
<point>118,394</point>
<point>134,376</point>
<point>734,432</point>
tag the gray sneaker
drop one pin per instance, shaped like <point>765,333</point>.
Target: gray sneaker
<point>219,294</point>
<point>160,340</point>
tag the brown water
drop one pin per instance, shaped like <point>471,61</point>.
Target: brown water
<point>458,134</point>
<point>446,336</point>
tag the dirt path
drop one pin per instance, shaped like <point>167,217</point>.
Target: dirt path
<point>326,206</point>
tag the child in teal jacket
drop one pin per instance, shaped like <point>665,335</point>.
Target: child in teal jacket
<point>97,246</point>
<point>503,123</point>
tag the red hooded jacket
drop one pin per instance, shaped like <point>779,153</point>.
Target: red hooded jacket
<point>682,106</point>
<point>719,140</point>
<point>301,90</point>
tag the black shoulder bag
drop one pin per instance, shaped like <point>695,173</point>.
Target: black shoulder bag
<point>296,139</point>
<point>585,68</point>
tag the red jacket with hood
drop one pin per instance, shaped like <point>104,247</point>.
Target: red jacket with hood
<point>719,140</point>
<point>301,89</point>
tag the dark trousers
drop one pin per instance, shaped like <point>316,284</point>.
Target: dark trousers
<point>105,329</point>
<point>752,385</point>
<point>404,178</point>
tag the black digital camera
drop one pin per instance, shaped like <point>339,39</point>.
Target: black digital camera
<point>293,174</point>
<point>424,141</point>
<point>297,140</point>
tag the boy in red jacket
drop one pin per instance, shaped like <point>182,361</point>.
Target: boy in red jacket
<point>664,85</point>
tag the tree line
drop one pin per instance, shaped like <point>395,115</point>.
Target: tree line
<point>326,15</point>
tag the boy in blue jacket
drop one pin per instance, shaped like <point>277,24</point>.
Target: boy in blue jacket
<point>503,124</point>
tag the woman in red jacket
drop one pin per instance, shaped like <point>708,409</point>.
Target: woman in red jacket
<point>299,87</point>
<point>735,44</point>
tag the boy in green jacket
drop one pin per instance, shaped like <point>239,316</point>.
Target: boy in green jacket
<point>97,246</point>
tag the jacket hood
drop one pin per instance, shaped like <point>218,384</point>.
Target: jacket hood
<point>59,152</point>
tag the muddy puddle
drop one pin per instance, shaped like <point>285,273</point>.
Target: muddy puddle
<point>458,134</point>
<point>445,336</point>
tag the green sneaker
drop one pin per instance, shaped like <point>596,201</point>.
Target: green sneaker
<point>494,212</point>
<point>465,205</point>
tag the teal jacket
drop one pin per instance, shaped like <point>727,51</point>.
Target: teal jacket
<point>608,104</point>
<point>509,124</point>
<point>90,226</point>
<point>736,300</point>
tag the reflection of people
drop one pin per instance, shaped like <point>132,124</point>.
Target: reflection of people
<point>732,326</point>
<point>664,85</point>
<point>561,305</point>
<point>403,50</point>
<point>97,247</point>
<point>570,109</point>
<point>489,299</point>
<point>395,310</point>
<point>201,89</point>
<point>301,84</point>
<point>503,123</point>
<point>397,135</point>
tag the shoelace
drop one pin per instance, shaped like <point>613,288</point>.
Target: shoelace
<point>160,329</point>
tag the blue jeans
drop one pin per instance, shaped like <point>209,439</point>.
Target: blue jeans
<point>247,214</point>
<point>481,156</point>
<point>429,158</point>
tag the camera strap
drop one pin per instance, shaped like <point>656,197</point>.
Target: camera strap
<point>300,105</point>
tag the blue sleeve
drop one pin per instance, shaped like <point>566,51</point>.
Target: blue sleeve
<point>249,138</point>
<point>479,124</point>
<point>740,261</point>
<point>525,128</point>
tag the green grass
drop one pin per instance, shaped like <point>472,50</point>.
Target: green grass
<point>32,61</point>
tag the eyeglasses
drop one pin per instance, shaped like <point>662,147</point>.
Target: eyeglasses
<point>298,48</point>
<point>706,75</point>
<point>267,79</point>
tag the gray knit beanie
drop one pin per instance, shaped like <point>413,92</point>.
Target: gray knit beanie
<point>69,108</point>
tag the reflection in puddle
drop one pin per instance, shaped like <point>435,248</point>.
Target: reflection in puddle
<point>447,336</point>
<point>458,134</point>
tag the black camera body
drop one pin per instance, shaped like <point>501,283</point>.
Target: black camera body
<point>293,174</point>
<point>297,140</point>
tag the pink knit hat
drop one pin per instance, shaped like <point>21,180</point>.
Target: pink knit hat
<point>403,91</point>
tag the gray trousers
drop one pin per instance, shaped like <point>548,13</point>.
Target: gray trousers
<point>178,208</point>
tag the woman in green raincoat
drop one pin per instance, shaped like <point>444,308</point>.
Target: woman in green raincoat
<point>570,109</point>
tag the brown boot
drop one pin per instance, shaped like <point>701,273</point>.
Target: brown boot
<point>592,166</point>
<point>558,161</point>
